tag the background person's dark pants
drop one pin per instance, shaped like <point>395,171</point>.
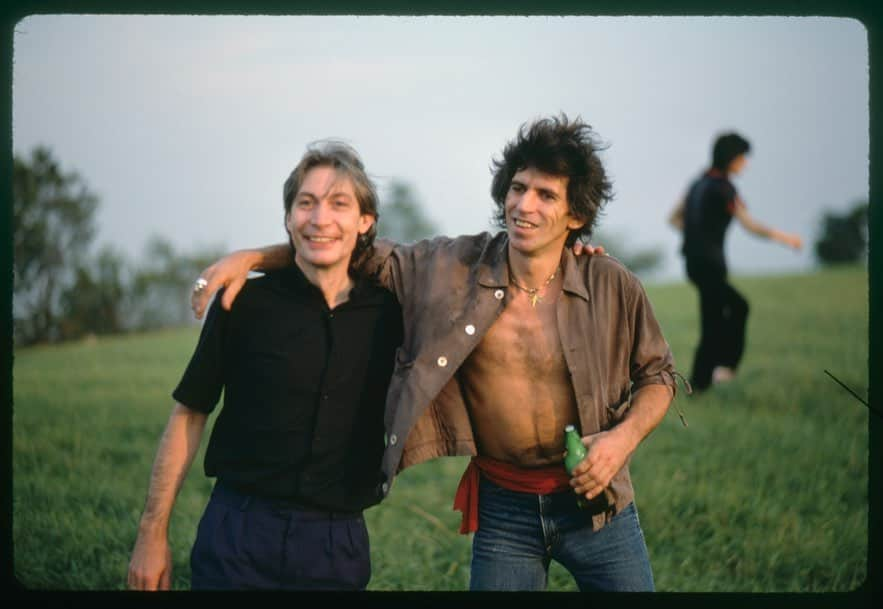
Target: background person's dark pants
<point>724,313</point>
<point>245,542</point>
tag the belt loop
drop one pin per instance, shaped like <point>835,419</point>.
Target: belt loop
<point>246,501</point>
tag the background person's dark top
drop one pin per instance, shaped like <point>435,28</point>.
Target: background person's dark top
<point>304,390</point>
<point>708,210</point>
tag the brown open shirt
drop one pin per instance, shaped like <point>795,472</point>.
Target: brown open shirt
<point>451,292</point>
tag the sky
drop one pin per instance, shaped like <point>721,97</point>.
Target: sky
<point>187,126</point>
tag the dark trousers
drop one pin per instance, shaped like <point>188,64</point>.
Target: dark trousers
<point>724,312</point>
<point>246,542</point>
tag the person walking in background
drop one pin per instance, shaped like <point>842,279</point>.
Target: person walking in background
<point>704,215</point>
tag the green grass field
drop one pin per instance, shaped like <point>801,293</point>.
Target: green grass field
<point>765,491</point>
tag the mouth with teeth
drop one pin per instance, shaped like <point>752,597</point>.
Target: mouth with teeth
<point>522,223</point>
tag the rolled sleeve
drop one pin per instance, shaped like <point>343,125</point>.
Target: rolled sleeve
<point>651,362</point>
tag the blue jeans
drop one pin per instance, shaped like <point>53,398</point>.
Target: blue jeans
<point>519,533</point>
<point>246,542</point>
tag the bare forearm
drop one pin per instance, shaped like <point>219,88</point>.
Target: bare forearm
<point>609,450</point>
<point>648,408</point>
<point>774,234</point>
<point>232,271</point>
<point>272,257</point>
<point>177,448</point>
<point>757,229</point>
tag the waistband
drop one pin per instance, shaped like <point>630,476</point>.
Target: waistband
<point>538,481</point>
<point>228,495</point>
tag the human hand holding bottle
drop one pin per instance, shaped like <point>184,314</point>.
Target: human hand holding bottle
<point>574,453</point>
<point>605,454</point>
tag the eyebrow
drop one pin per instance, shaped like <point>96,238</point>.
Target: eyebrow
<point>329,194</point>
<point>539,189</point>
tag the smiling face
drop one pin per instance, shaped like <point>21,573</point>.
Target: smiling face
<point>325,220</point>
<point>538,218</point>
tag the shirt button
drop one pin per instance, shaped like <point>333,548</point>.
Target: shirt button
<point>393,439</point>
<point>470,329</point>
<point>499,294</point>
<point>385,487</point>
<point>442,361</point>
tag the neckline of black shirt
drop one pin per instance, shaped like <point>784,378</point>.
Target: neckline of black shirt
<point>366,291</point>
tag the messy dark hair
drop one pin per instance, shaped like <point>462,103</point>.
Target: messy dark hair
<point>560,147</point>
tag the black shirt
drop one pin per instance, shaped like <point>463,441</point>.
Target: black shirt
<point>304,390</point>
<point>708,210</point>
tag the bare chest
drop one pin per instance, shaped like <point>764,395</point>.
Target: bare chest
<point>525,341</point>
<point>517,386</point>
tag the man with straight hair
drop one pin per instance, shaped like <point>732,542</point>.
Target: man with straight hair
<point>304,359</point>
<point>510,337</point>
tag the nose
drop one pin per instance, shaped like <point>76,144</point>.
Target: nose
<point>321,214</point>
<point>526,202</point>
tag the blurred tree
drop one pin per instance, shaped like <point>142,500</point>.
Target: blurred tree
<point>844,238</point>
<point>402,218</point>
<point>160,291</point>
<point>94,304</point>
<point>60,292</point>
<point>640,261</point>
<point>53,226</point>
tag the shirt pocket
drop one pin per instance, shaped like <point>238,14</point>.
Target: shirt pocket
<point>616,409</point>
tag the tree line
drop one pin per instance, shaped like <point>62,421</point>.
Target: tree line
<point>64,291</point>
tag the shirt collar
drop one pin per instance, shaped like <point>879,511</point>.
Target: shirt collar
<point>365,291</point>
<point>573,275</point>
<point>493,271</point>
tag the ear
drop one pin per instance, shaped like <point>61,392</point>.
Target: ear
<point>574,223</point>
<point>366,221</point>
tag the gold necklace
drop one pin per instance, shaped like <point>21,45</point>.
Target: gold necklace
<point>533,293</point>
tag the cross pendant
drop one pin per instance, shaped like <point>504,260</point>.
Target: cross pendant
<point>534,299</point>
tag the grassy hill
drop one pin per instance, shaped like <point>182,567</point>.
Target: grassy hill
<point>765,491</point>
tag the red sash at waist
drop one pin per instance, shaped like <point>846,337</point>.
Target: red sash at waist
<point>537,481</point>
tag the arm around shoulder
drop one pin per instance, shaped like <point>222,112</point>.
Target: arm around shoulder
<point>232,271</point>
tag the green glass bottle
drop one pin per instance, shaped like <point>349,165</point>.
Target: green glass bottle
<point>576,452</point>
<point>573,444</point>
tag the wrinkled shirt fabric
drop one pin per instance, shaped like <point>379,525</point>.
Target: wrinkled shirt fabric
<point>451,291</point>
